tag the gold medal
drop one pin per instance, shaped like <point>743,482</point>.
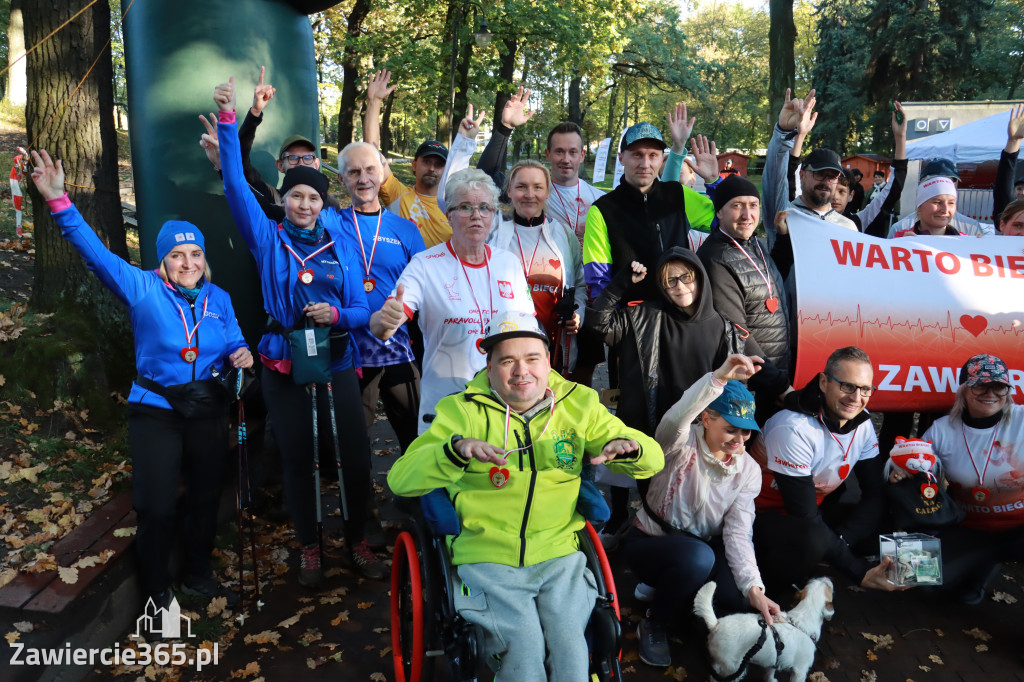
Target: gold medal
<point>369,284</point>
<point>306,276</point>
<point>499,477</point>
<point>190,354</point>
<point>980,494</point>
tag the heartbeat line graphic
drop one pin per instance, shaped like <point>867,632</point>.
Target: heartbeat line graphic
<point>974,325</point>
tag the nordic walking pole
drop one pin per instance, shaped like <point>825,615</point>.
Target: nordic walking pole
<point>244,496</point>
<point>316,475</point>
<point>337,453</point>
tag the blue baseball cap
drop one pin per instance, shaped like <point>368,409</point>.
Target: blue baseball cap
<point>641,131</point>
<point>175,233</point>
<point>736,405</point>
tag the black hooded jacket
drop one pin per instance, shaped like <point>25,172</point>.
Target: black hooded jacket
<point>653,378</point>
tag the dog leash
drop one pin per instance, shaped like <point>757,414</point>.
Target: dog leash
<point>779,646</point>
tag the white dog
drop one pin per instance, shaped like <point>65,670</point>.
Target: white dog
<point>733,640</point>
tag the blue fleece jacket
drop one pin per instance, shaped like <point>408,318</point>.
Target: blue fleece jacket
<point>337,275</point>
<point>156,309</point>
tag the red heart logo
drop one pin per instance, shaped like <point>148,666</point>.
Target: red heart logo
<point>772,304</point>
<point>975,324</point>
<point>555,263</point>
<point>844,471</point>
<point>306,276</point>
<point>190,353</point>
<point>499,477</point>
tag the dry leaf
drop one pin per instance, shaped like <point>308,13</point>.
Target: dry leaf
<point>248,671</point>
<point>677,674</point>
<point>68,574</point>
<point>378,677</point>
<point>288,622</point>
<point>817,677</point>
<point>87,562</point>
<point>939,632</point>
<point>125,532</point>
<point>981,648</point>
<point>365,605</point>
<point>925,668</point>
<point>881,641</point>
<point>216,605</point>
<point>868,676</point>
<point>12,637</point>
<point>24,626</point>
<point>935,659</point>
<point>342,617</point>
<point>7,575</point>
<point>872,656</point>
<point>265,637</point>
<point>978,634</point>
<point>1004,597</point>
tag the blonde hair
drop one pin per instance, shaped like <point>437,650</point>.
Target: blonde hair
<point>529,163</point>
<point>959,409</point>
<point>207,273</point>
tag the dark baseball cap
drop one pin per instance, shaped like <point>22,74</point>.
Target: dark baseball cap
<point>984,369</point>
<point>823,159</point>
<point>432,148</point>
<point>940,167</point>
<point>641,131</point>
<point>1019,181</point>
<point>293,139</point>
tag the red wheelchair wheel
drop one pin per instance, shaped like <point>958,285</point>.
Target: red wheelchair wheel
<point>406,611</point>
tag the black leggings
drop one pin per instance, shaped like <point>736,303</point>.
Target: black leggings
<point>166,447</point>
<point>788,550</point>
<point>969,555</point>
<point>289,407</point>
<point>398,387</point>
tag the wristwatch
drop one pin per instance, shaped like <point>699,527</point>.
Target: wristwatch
<point>454,441</point>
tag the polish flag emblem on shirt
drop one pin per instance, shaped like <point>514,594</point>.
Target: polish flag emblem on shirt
<point>505,289</point>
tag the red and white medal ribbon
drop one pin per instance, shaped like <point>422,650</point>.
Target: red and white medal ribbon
<point>771,303</point>
<point>522,256</point>
<point>472,292</point>
<point>306,274</point>
<point>189,353</point>
<point>369,283</point>
<point>979,492</point>
<point>844,468</point>
<point>579,203</point>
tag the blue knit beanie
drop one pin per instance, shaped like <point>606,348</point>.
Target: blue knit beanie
<point>175,233</point>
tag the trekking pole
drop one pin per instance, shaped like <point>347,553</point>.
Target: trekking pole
<point>244,497</point>
<point>316,475</point>
<point>337,453</point>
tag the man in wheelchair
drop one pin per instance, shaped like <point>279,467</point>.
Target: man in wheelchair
<point>509,451</point>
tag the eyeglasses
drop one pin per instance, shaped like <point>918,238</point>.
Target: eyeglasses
<point>466,210</point>
<point>849,389</point>
<point>295,159</point>
<point>685,278</point>
<point>998,390</point>
<point>826,175</point>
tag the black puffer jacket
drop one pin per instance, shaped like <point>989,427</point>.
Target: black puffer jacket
<point>636,331</point>
<point>642,227</point>
<point>740,292</point>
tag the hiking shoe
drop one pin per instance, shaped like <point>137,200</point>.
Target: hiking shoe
<point>310,572</point>
<point>644,592</point>
<point>366,562</point>
<point>653,642</point>
<point>208,588</point>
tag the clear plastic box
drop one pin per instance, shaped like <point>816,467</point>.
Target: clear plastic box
<point>916,557</point>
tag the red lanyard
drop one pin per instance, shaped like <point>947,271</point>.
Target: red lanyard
<point>522,256</point>
<point>576,220</point>
<point>380,218</point>
<point>767,280</point>
<point>472,292</point>
<point>508,420</point>
<point>306,275</point>
<point>992,445</point>
<point>844,468</point>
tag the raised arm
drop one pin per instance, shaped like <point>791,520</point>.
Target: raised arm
<point>461,152</point>
<point>884,201</point>
<point>774,183</point>
<point>1003,189</point>
<point>680,127</point>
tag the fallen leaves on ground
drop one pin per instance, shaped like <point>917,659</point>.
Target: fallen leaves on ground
<point>265,637</point>
<point>676,673</point>
<point>935,659</point>
<point>981,648</point>
<point>248,671</point>
<point>880,641</point>
<point>817,677</point>
<point>868,676</point>
<point>978,633</point>
<point>1004,598</point>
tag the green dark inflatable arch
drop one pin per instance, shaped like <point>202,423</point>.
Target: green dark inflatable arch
<point>175,53</point>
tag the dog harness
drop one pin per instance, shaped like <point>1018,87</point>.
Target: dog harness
<point>779,646</point>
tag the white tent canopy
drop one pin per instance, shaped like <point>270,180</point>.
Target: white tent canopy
<point>974,142</point>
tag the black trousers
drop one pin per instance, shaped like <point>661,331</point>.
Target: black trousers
<point>290,408</point>
<point>398,387</point>
<point>165,448</point>
<point>968,554</point>
<point>788,550</point>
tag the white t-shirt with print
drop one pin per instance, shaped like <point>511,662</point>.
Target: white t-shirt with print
<point>569,205</point>
<point>454,313</point>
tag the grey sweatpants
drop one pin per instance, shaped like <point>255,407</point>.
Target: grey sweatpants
<point>533,618</point>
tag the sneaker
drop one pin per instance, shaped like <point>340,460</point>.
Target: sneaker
<point>611,536</point>
<point>208,588</point>
<point>310,573</point>
<point>366,562</point>
<point>653,642</point>
<point>644,592</point>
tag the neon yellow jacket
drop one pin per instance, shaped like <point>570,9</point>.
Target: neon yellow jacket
<point>532,517</point>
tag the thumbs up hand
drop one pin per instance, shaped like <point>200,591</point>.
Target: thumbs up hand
<point>392,315</point>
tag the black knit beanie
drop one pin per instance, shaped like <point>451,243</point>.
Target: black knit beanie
<point>732,187</point>
<point>304,175</point>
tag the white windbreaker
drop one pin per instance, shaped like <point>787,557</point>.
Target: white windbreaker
<point>697,493</point>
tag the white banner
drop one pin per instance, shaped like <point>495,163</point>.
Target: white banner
<point>601,160</point>
<point>618,164</point>
<point>919,306</point>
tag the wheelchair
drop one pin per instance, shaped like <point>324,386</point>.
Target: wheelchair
<point>425,626</point>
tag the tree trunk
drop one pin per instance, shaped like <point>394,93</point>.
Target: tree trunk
<point>781,62</point>
<point>386,138</point>
<point>83,137</point>
<point>350,72</point>
<point>443,129</point>
<point>16,51</point>
<point>575,115</point>
<point>506,72</point>
<point>613,113</point>
<point>462,80</point>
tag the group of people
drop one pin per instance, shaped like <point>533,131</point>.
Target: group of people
<point>517,282</point>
